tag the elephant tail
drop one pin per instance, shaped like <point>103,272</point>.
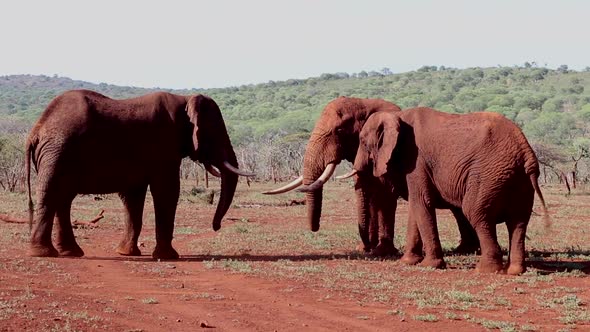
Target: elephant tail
<point>31,143</point>
<point>535,182</point>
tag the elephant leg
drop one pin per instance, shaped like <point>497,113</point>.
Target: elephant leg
<point>469,243</point>
<point>373,223</point>
<point>165,191</point>
<point>425,217</point>
<point>519,214</point>
<point>516,254</point>
<point>134,201</point>
<point>387,204</point>
<point>66,241</point>
<point>413,249</point>
<point>40,243</point>
<point>491,254</point>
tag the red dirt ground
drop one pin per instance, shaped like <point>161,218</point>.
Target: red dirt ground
<point>104,291</point>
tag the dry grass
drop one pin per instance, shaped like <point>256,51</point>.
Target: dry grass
<point>264,238</point>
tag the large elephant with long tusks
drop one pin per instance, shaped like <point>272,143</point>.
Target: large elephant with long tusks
<point>336,138</point>
<point>87,143</point>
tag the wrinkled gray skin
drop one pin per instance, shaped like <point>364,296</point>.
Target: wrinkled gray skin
<point>86,143</point>
<point>479,162</point>
<point>336,138</point>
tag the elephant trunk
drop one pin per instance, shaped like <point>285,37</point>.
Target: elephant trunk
<point>229,182</point>
<point>364,213</point>
<point>317,156</point>
<point>314,209</point>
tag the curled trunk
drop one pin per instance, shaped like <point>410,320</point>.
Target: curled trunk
<point>229,182</point>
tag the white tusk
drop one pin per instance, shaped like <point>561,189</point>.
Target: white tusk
<point>321,180</point>
<point>347,175</point>
<point>212,170</point>
<point>237,171</point>
<point>294,184</point>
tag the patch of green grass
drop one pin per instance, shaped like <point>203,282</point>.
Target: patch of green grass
<point>496,325</point>
<point>230,265</point>
<point>460,296</point>
<point>187,231</point>
<point>519,290</point>
<point>451,316</point>
<point>502,301</point>
<point>575,317</point>
<point>426,318</point>
<point>150,300</point>
<point>397,312</point>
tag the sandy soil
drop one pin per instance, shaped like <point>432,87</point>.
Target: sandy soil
<point>203,290</point>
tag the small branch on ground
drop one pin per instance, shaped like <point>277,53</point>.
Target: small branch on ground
<point>12,220</point>
<point>92,222</point>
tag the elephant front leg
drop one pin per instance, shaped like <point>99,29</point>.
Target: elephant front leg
<point>165,193</point>
<point>413,249</point>
<point>133,201</point>
<point>387,204</point>
<point>425,217</point>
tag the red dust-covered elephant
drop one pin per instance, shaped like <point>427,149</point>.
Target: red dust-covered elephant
<point>336,138</point>
<point>86,143</point>
<point>479,162</point>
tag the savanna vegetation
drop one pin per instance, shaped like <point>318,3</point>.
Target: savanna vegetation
<point>269,123</point>
<point>264,270</point>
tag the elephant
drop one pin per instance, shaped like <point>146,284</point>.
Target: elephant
<point>479,162</point>
<point>87,143</point>
<point>335,138</point>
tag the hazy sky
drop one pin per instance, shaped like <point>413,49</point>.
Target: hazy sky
<point>219,43</point>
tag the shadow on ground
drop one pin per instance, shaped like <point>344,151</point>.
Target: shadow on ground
<point>544,266</point>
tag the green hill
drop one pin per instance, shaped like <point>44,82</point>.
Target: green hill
<point>552,106</point>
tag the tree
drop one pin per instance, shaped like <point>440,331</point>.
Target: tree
<point>564,69</point>
<point>386,71</point>
<point>12,160</point>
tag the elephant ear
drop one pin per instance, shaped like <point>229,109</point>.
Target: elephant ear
<point>378,139</point>
<point>389,128</point>
<point>193,106</point>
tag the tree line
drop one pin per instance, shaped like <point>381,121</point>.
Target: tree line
<point>269,123</point>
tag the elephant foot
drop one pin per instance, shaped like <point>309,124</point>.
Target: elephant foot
<point>165,253</point>
<point>489,266</point>
<point>70,250</point>
<point>385,249</point>
<point>362,248</point>
<point>466,248</point>
<point>128,249</point>
<point>435,263</point>
<point>39,250</point>
<point>411,258</point>
<point>515,269</point>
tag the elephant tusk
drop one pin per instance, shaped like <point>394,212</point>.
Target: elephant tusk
<point>321,180</point>
<point>347,175</point>
<point>237,171</point>
<point>294,184</point>
<point>214,171</point>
